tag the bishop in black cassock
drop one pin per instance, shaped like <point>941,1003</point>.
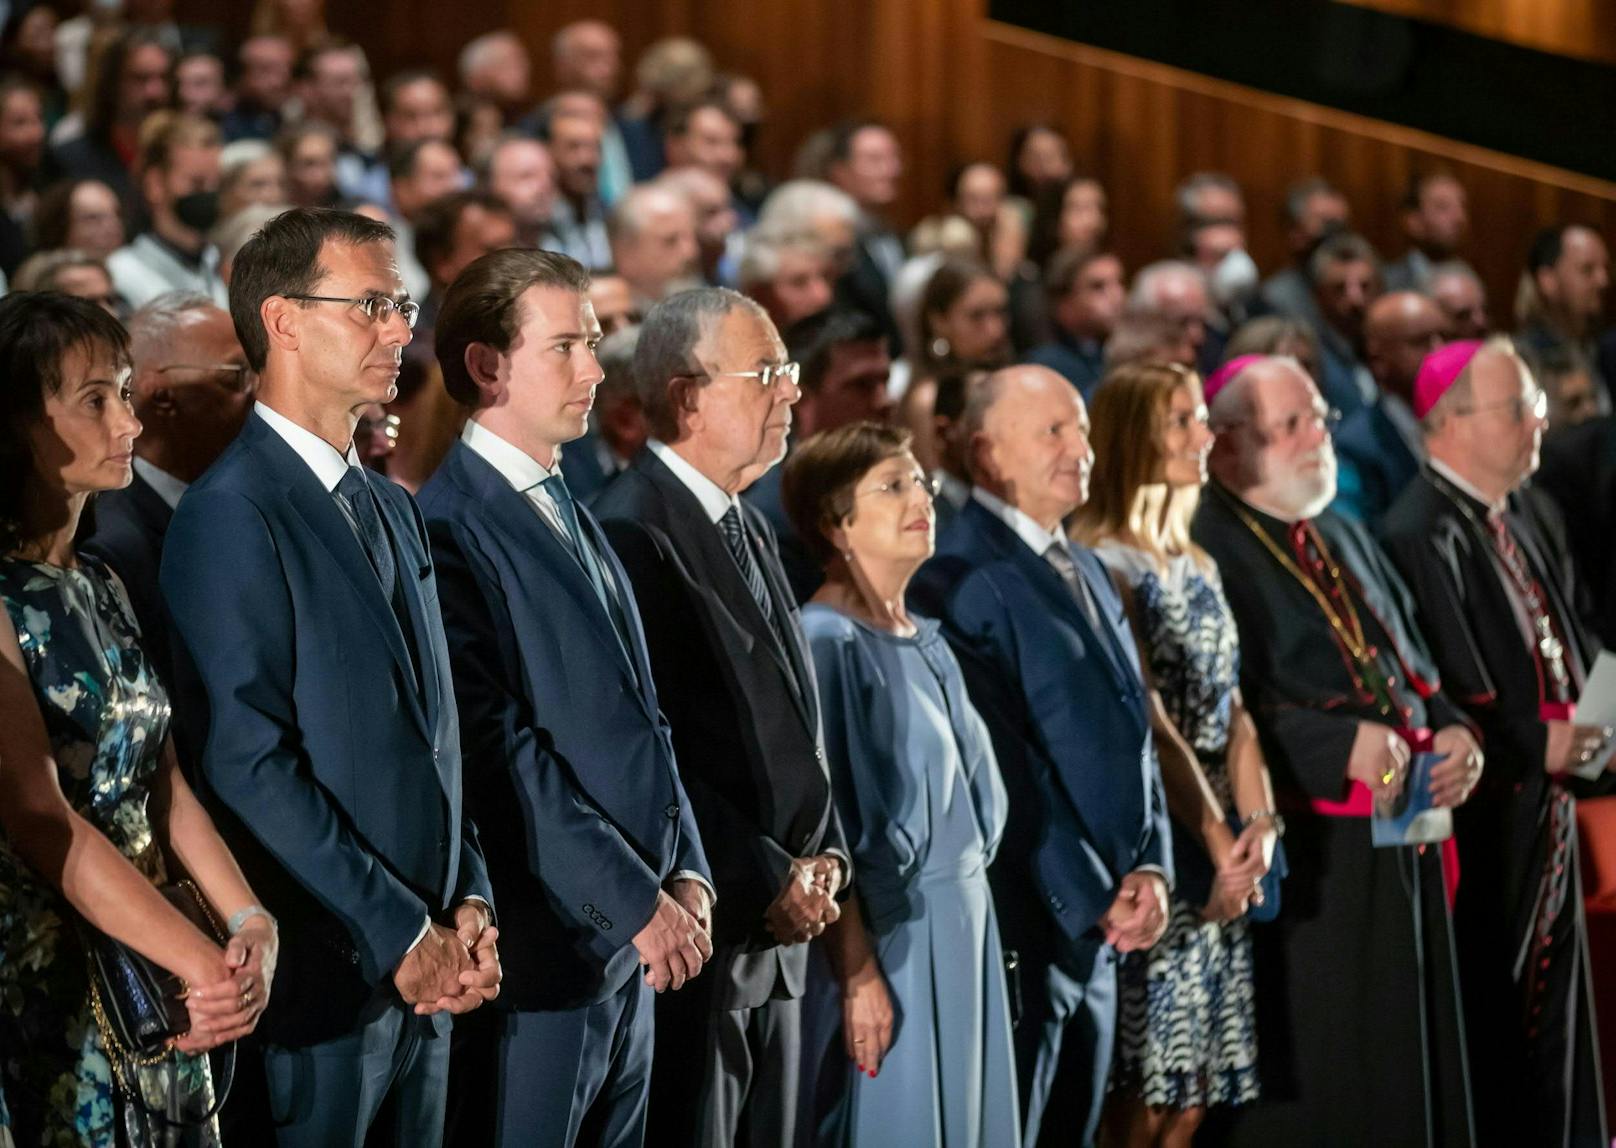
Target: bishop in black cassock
<point>1359,1033</point>
<point>1488,567</point>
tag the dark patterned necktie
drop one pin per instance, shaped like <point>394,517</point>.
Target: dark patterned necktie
<point>355,491</point>
<point>735,537</point>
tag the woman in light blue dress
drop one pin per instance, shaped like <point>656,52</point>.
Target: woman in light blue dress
<point>915,955</point>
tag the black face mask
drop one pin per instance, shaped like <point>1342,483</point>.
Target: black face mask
<point>199,210</point>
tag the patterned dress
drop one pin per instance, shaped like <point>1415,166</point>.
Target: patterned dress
<point>1186,1033</point>
<point>106,717</point>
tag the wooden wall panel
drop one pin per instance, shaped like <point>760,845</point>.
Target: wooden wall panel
<point>955,85</point>
<point>1585,29</point>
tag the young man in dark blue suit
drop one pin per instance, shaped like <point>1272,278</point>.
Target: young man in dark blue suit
<point>592,845</point>
<point>303,592</point>
<point>1083,871</point>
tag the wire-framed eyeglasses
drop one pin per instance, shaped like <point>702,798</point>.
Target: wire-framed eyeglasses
<point>377,308</point>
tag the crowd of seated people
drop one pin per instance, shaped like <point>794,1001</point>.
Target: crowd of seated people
<point>626,649</point>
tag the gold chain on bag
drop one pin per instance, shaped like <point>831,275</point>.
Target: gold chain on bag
<point>117,1051</point>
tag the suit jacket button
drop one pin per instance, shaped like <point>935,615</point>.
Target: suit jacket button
<point>672,811</point>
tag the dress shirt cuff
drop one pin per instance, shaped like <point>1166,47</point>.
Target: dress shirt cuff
<point>1160,872</point>
<point>474,899</point>
<point>692,875</point>
<point>847,867</point>
<point>426,927</point>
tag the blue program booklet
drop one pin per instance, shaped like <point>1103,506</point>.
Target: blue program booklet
<point>1414,820</point>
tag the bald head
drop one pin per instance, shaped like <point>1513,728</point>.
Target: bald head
<point>1028,442</point>
<point>653,236</point>
<point>1400,329</point>
<point>588,54</point>
<point>1273,447</point>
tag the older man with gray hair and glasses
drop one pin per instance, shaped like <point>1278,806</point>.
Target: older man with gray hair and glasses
<point>735,680</point>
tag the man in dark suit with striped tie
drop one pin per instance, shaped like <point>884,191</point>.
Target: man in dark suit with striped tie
<point>734,678</point>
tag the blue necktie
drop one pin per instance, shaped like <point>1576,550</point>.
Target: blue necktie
<point>355,491</point>
<point>594,570</point>
<point>734,532</point>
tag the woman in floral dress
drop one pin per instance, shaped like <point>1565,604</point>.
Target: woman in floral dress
<point>93,811</point>
<point>1186,1027</point>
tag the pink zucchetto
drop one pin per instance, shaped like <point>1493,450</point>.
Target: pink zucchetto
<point>1438,372</point>
<point>1225,375</point>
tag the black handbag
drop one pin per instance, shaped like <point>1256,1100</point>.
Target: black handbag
<point>139,1006</point>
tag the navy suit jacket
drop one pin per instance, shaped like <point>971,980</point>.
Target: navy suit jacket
<point>1380,460</point>
<point>334,776</point>
<point>1066,709</point>
<point>570,772</point>
<point>129,529</point>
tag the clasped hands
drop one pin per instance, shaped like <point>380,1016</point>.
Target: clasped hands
<point>678,940</point>
<point>807,900</point>
<point>452,970</point>
<point>1380,759</point>
<point>226,996</point>
<point>1138,917</point>
<point>1240,863</point>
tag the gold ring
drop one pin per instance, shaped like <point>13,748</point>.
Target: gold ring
<point>246,998</point>
<point>1389,776</point>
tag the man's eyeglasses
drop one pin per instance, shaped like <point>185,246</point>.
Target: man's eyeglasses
<point>237,378</point>
<point>766,377</point>
<point>1537,403</point>
<point>377,308</point>
<point>1288,428</point>
<point>901,486</point>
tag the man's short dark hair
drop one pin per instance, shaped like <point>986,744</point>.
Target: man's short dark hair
<point>668,339</point>
<point>679,120</point>
<point>1547,247</point>
<point>1414,190</point>
<point>303,68</point>
<point>398,81</point>
<point>1067,265</point>
<point>841,147</point>
<point>435,226</point>
<point>284,259</point>
<point>1341,247</point>
<point>401,160</point>
<point>483,305</point>
<point>812,341</point>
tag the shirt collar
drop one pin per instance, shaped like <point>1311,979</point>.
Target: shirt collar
<point>713,498</point>
<point>168,488</point>
<point>1452,476</point>
<point>1034,535</point>
<point>514,464</point>
<point>320,456</point>
<point>954,490</point>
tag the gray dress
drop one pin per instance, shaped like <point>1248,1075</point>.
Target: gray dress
<point>920,797</point>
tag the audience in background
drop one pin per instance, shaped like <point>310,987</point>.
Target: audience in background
<point>1436,220</point>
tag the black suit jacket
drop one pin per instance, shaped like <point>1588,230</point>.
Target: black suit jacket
<point>741,699</point>
<point>1579,473</point>
<point>569,764</point>
<point>129,529</point>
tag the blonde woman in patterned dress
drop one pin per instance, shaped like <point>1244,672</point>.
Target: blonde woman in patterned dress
<point>93,811</point>
<point>1186,1032</point>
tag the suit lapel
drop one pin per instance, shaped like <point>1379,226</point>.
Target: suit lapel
<point>784,604</point>
<point>720,575</point>
<point>149,505</point>
<point>413,566</point>
<point>511,513</point>
<point>318,509</point>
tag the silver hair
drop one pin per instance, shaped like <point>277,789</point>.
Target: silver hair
<point>152,325</point>
<point>1187,194</point>
<point>669,336</point>
<point>628,213</point>
<point>797,203</point>
<point>476,51</point>
<point>760,258</point>
<point>1142,295</point>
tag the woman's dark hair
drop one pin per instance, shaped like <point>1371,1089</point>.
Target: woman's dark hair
<point>37,331</point>
<point>106,80</point>
<point>53,218</point>
<point>1018,182</point>
<point>947,284</point>
<point>1048,204</point>
<point>284,259</point>
<point>817,483</point>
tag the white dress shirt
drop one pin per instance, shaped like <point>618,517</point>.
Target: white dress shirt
<point>168,488</point>
<point>329,467</point>
<point>714,499</point>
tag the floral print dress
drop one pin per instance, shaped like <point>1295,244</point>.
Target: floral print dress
<point>107,717</point>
